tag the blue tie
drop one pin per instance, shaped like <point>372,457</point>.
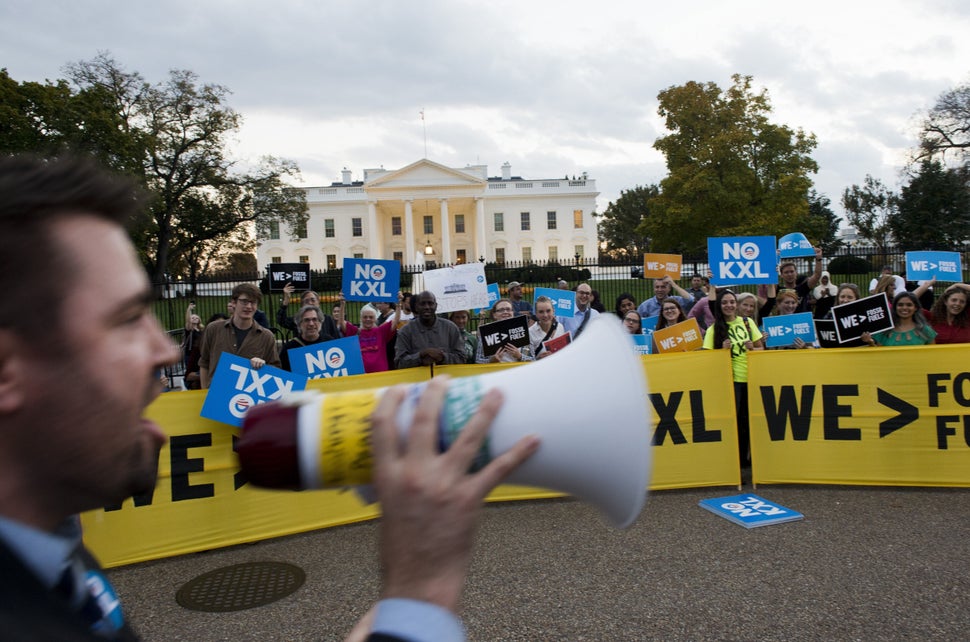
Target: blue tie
<point>94,599</point>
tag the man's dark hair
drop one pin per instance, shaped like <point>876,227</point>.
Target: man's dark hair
<point>34,194</point>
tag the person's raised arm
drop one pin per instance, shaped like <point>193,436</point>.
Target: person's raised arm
<point>817,274</point>
<point>340,314</point>
<point>397,310</point>
<point>189,311</point>
<point>921,290</point>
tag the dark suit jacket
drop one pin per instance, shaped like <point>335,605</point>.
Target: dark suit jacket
<point>31,613</point>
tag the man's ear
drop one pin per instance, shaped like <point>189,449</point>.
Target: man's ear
<point>12,372</point>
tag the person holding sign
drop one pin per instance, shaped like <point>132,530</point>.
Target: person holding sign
<point>546,328</point>
<point>508,353</point>
<point>909,325</point>
<point>374,337</point>
<point>240,335</point>
<point>739,335</point>
<point>789,280</point>
<point>309,321</point>
<point>949,315</point>
<point>787,302</point>
<point>661,291</point>
<point>670,314</point>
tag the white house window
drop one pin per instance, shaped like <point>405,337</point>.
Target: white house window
<point>526,223</point>
<point>459,223</point>
<point>499,222</point>
<point>357,227</point>
<point>328,230</point>
<point>550,220</point>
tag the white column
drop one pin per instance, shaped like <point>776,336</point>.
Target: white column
<point>408,233</point>
<point>446,258</point>
<point>373,233</point>
<point>479,228</point>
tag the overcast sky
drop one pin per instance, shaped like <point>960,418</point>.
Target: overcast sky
<point>555,88</point>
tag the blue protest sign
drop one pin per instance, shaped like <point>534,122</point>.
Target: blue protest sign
<point>782,330</point>
<point>236,388</point>
<point>337,358</point>
<point>649,324</point>
<point>563,301</point>
<point>742,259</point>
<point>371,280</point>
<point>794,245</point>
<point>750,511</point>
<point>493,296</point>
<point>923,266</point>
<point>642,343</point>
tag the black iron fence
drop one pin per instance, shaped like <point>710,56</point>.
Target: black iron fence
<point>608,278</point>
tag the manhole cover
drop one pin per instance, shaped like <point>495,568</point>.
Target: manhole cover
<point>240,587</point>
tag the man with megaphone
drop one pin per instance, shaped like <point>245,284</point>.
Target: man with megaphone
<point>89,445</point>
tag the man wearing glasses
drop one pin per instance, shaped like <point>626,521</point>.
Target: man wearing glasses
<point>239,335</point>
<point>584,313</point>
<point>309,321</point>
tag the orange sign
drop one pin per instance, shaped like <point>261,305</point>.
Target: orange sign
<point>680,337</point>
<point>657,266</point>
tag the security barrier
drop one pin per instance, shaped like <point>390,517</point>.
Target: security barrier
<point>886,416</point>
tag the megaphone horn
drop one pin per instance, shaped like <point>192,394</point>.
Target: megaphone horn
<point>586,403</point>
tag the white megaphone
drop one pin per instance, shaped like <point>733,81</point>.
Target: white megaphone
<point>587,404</point>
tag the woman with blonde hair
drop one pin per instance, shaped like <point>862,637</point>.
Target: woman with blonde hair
<point>786,302</point>
<point>546,327</point>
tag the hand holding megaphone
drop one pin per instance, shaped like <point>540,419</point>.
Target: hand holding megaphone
<point>588,407</point>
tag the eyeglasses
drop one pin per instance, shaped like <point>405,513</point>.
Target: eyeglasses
<point>503,309</point>
<point>246,302</point>
<point>310,320</point>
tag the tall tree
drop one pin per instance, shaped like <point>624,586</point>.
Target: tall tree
<point>822,225</point>
<point>620,224</point>
<point>731,171</point>
<point>172,137</point>
<point>868,209</point>
<point>946,127</point>
<point>933,210</point>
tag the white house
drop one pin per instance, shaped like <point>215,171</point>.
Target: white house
<point>429,212</point>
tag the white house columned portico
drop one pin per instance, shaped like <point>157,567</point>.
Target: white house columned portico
<point>460,215</point>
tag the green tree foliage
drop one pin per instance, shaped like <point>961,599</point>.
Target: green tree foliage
<point>731,171</point>
<point>946,127</point>
<point>933,210</point>
<point>620,224</point>
<point>172,136</point>
<point>822,225</point>
<point>869,208</point>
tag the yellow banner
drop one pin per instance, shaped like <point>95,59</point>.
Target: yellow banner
<point>872,416</point>
<point>695,440</point>
<point>201,502</point>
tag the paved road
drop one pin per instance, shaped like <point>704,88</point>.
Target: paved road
<point>865,564</point>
